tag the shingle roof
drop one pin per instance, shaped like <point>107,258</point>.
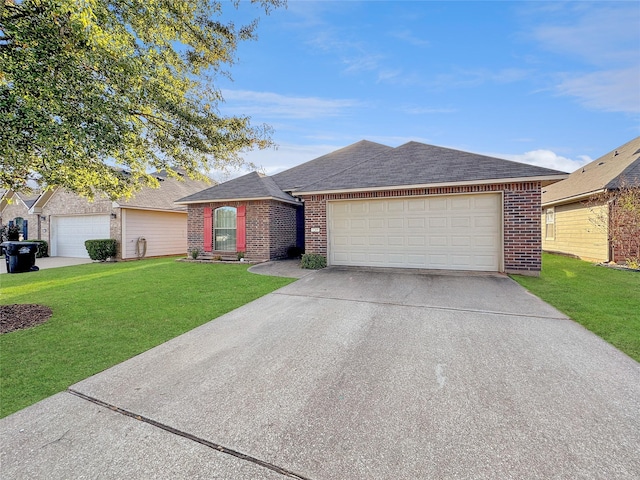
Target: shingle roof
<point>606,172</point>
<point>327,165</point>
<point>419,164</point>
<point>250,186</point>
<point>163,197</point>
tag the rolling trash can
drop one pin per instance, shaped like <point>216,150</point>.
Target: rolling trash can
<point>20,256</point>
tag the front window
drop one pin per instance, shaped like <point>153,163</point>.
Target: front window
<point>225,229</point>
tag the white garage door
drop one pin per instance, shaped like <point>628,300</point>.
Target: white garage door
<point>455,232</point>
<point>68,234</point>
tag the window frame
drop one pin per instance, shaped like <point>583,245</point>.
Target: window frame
<point>226,244</point>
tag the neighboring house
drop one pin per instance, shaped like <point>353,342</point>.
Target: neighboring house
<point>414,206</point>
<point>148,224</point>
<point>14,209</point>
<point>573,222</point>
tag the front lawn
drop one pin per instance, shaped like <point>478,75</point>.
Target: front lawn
<point>604,300</point>
<point>105,313</point>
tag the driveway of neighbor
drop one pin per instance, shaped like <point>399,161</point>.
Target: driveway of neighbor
<point>50,262</point>
<point>351,374</point>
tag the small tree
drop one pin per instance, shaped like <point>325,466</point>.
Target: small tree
<point>621,220</point>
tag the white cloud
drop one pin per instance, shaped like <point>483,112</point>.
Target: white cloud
<point>605,37</point>
<point>610,91</point>
<point>600,34</point>
<point>273,105</point>
<point>415,110</point>
<point>547,159</point>
<point>409,37</point>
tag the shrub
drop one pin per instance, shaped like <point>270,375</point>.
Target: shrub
<point>294,252</point>
<point>240,256</point>
<point>43,248</point>
<point>313,261</point>
<point>194,252</point>
<point>101,249</point>
<point>10,233</point>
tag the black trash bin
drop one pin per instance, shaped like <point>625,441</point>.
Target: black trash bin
<point>20,256</point>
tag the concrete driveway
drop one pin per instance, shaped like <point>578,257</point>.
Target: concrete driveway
<point>50,262</point>
<point>351,374</point>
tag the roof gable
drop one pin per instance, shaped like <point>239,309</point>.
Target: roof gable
<point>164,197</point>
<point>416,163</point>
<point>250,186</point>
<point>332,163</point>
<point>606,172</point>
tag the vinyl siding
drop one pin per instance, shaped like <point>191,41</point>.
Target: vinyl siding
<point>576,232</point>
<point>165,232</point>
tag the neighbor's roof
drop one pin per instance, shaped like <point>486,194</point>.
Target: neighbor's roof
<point>27,200</point>
<point>327,165</point>
<point>252,186</point>
<point>605,173</point>
<point>164,197</point>
<point>418,164</point>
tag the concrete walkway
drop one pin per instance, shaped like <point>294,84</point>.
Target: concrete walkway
<point>351,374</point>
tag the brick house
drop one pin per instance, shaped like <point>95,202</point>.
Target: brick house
<point>147,224</point>
<point>578,210</point>
<point>414,206</point>
<point>15,209</point>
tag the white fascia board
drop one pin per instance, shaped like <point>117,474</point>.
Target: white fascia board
<point>439,185</point>
<point>572,199</point>
<point>43,199</point>
<point>164,210</point>
<point>225,200</point>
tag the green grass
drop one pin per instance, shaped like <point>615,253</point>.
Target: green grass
<point>604,300</point>
<point>105,313</point>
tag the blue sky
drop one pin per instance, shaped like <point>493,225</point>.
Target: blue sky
<point>555,84</point>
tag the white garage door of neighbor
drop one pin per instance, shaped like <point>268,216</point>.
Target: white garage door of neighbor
<point>68,234</point>
<point>453,232</point>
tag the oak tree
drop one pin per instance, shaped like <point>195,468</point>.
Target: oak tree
<point>89,85</point>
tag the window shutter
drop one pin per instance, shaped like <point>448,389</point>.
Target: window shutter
<point>241,230</point>
<point>208,229</point>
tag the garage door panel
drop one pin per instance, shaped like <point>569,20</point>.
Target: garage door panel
<point>437,204</point>
<point>416,222</point>
<point>376,223</point>
<point>449,232</point>
<point>461,241</point>
<point>396,223</point>
<point>416,205</point>
<point>460,203</point>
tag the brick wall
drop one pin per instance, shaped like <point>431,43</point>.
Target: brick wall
<point>625,243</point>
<point>522,207</point>
<point>18,209</point>
<point>282,229</point>
<point>270,228</point>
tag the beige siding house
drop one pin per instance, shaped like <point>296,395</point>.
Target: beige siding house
<point>572,222</point>
<point>147,225</point>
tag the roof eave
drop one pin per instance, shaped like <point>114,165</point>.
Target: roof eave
<point>150,209</point>
<point>573,198</point>
<point>239,199</point>
<point>547,178</point>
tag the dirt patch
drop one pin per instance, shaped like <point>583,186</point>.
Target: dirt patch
<point>21,316</point>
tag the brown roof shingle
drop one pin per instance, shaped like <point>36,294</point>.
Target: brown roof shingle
<point>604,173</point>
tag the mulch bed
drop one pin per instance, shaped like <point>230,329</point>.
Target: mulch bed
<point>17,317</point>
